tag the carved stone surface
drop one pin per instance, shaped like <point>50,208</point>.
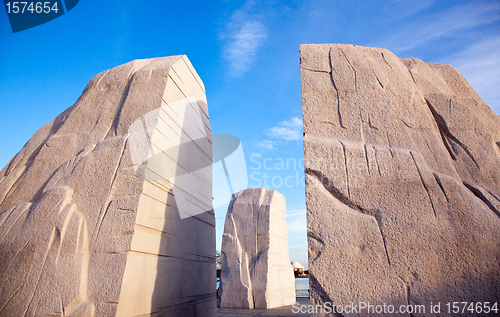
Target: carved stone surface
<point>402,163</point>
<point>107,209</point>
<point>256,270</point>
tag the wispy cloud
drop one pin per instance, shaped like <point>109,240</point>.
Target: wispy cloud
<point>452,29</point>
<point>266,144</point>
<point>296,213</point>
<point>283,132</point>
<point>287,130</point>
<point>397,9</point>
<point>244,35</point>
<point>297,233</point>
<point>480,65</point>
<point>448,23</point>
<point>296,222</point>
<point>303,245</point>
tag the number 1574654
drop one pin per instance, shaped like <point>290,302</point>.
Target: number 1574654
<point>31,7</point>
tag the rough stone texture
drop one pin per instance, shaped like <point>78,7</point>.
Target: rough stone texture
<point>90,226</point>
<point>256,270</point>
<point>402,163</point>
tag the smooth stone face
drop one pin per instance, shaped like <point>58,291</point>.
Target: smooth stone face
<point>402,163</point>
<point>256,270</point>
<point>106,211</point>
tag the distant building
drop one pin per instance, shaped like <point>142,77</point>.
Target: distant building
<point>297,268</point>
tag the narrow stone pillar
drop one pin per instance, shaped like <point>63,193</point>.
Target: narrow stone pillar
<point>256,270</point>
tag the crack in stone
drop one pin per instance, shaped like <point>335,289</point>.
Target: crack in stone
<point>492,194</point>
<point>101,217</point>
<point>390,150</point>
<point>123,99</point>
<point>121,104</point>
<point>119,162</point>
<point>385,60</point>
<point>110,200</point>
<point>423,183</point>
<point>376,159</point>
<point>367,161</point>
<point>316,70</point>
<point>370,123</point>
<point>378,219</point>
<point>335,87</point>
<point>319,177</point>
<point>406,124</point>
<point>95,124</point>
<point>379,82</point>
<point>438,181</point>
<point>408,294</point>
<point>352,67</point>
<point>447,135</point>
<point>346,170</point>
<point>413,78</point>
<point>408,298</point>
<point>477,192</point>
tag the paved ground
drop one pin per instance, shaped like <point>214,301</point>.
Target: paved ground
<point>281,311</point>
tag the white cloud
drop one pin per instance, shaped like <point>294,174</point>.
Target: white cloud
<point>480,65</point>
<point>245,34</point>
<point>284,131</point>
<point>297,234</point>
<point>304,245</point>
<point>296,222</point>
<point>296,213</point>
<point>403,9</point>
<point>287,130</point>
<point>266,144</point>
<point>444,24</point>
<point>293,123</point>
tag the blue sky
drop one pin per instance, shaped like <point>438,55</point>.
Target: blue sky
<point>247,54</point>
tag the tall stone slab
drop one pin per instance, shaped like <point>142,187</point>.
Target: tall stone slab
<point>402,163</point>
<point>256,270</point>
<point>106,211</point>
